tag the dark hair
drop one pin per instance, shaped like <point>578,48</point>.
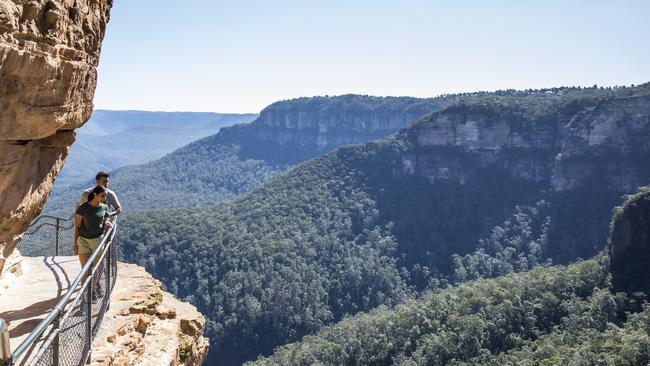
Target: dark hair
<point>101,174</point>
<point>96,190</point>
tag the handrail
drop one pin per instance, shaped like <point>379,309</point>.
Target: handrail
<point>50,217</point>
<point>86,275</point>
<point>48,224</point>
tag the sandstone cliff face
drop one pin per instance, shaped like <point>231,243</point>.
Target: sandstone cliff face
<point>579,154</point>
<point>49,51</point>
<point>566,147</point>
<point>322,123</point>
<point>617,133</point>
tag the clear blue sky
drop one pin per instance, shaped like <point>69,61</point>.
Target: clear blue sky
<point>241,55</point>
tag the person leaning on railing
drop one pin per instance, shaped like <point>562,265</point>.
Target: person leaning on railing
<point>91,221</point>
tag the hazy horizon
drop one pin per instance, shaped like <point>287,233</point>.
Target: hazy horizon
<point>372,95</point>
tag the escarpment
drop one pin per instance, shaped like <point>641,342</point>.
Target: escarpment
<point>49,51</point>
<point>296,130</point>
<point>566,145</point>
<point>321,123</point>
<point>580,154</point>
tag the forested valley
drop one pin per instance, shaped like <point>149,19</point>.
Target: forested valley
<point>491,185</point>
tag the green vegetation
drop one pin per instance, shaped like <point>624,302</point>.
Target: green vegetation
<point>296,254</point>
<point>352,230</point>
<point>551,316</point>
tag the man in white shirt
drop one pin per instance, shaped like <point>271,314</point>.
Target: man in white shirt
<point>102,179</point>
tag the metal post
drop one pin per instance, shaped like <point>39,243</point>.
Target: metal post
<point>89,314</point>
<point>57,338</point>
<point>109,270</point>
<point>5,347</point>
<point>56,239</point>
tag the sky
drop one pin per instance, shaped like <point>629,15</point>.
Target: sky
<point>241,55</point>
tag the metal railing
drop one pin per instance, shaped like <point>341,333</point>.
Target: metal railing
<point>46,235</point>
<point>65,336</point>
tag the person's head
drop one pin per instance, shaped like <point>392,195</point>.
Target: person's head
<point>102,179</point>
<point>98,194</point>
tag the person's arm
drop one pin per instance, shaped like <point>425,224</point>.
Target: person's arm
<point>107,223</point>
<point>77,225</point>
<point>82,199</point>
<point>116,206</point>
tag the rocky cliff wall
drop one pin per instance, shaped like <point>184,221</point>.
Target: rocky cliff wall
<point>322,123</point>
<point>49,51</point>
<point>566,145</point>
<point>579,154</point>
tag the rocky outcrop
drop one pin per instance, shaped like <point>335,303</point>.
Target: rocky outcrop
<point>49,51</point>
<point>630,243</point>
<point>608,144</point>
<point>147,326</point>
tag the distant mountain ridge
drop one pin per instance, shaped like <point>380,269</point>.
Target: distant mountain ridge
<point>240,157</point>
<point>111,139</point>
<point>310,126</point>
<point>107,122</point>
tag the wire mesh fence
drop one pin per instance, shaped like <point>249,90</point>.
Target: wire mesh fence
<point>48,236</point>
<point>65,336</point>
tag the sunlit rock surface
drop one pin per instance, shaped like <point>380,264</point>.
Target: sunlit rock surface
<point>144,325</point>
<point>49,51</point>
<point>147,326</point>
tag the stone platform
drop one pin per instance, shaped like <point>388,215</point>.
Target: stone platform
<point>143,326</point>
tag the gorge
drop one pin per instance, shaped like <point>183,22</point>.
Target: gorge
<point>492,184</point>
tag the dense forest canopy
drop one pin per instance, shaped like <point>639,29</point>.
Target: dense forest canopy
<point>551,316</point>
<point>594,312</point>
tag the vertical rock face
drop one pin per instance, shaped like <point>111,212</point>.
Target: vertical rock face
<point>630,243</point>
<point>565,145</point>
<point>578,152</point>
<point>49,51</point>
<point>617,132</point>
<point>322,123</point>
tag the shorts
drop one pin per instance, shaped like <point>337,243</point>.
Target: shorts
<point>87,246</point>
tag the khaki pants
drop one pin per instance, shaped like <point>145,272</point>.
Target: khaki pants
<point>87,246</point>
